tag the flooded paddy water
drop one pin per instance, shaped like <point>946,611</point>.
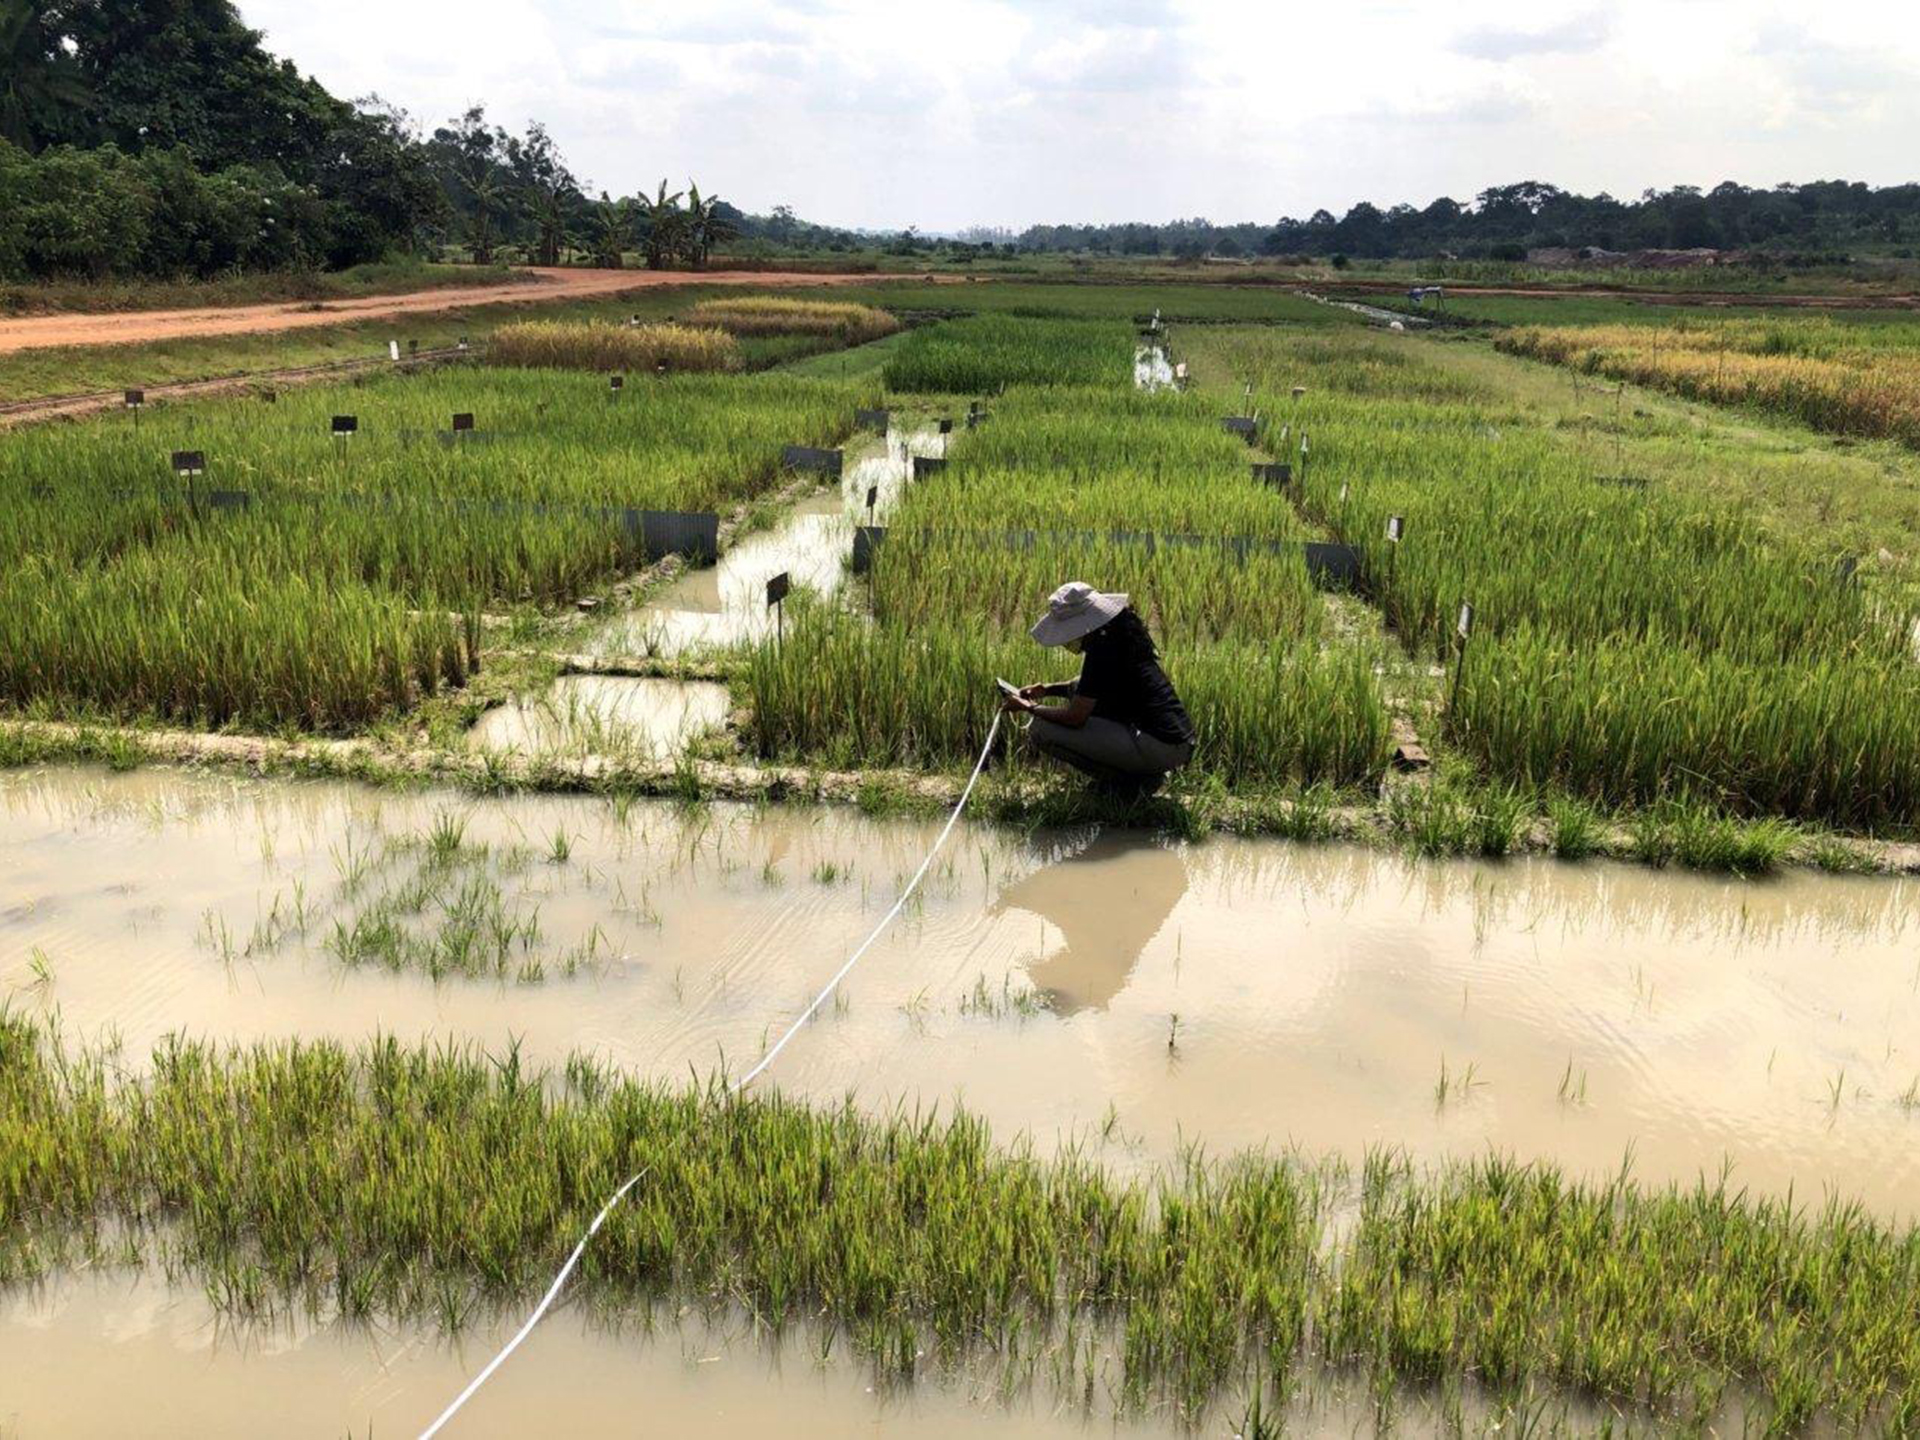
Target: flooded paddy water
<point>1110,989</point>
<point>605,715</point>
<point>1232,992</point>
<point>726,603</point>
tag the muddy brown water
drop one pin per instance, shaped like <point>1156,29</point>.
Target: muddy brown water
<point>166,1352</point>
<point>604,715</point>
<point>1112,989</point>
<point>1318,989</point>
<point>726,603</point>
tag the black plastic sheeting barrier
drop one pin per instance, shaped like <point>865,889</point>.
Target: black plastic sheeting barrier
<point>873,420</point>
<point>1245,426</point>
<point>1332,565</point>
<point>807,457</point>
<point>1275,474</point>
<point>925,465</point>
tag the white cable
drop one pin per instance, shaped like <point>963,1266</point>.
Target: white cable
<point>566,1270</point>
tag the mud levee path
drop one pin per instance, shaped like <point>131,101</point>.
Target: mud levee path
<point>542,286</point>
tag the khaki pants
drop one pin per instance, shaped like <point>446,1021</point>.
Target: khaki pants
<point>1108,750</point>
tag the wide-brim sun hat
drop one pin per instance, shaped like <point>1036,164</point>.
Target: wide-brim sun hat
<point>1076,609</point>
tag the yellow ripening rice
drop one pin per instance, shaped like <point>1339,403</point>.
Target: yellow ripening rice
<point>778,315</point>
<point>571,345</point>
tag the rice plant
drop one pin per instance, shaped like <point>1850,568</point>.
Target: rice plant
<point>1142,494</point>
<point>435,1182</point>
<point>784,315</point>
<point>596,345</point>
<point>341,579</point>
<point>1847,379</point>
<point>1630,645</point>
<point>988,353</point>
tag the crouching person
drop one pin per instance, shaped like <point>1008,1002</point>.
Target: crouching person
<point>1121,722</point>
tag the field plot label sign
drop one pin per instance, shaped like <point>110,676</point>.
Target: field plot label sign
<point>808,457</point>
<point>777,589</point>
<point>463,423</point>
<point>345,426</point>
<point>615,384</point>
<point>1463,628</point>
<point>692,533</point>
<point>189,464</point>
<point>135,400</point>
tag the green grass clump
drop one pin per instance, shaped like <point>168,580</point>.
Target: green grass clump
<point>987,353</point>
<point>434,1183</point>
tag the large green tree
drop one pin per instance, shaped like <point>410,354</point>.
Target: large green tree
<point>42,90</point>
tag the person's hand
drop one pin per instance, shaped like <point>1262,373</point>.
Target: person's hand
<point>1033,692</point>
<point>1017,704</point>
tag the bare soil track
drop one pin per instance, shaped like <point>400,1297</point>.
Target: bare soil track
<point>541,286</point>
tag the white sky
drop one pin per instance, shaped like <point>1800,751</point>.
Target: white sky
<point>884,113</point>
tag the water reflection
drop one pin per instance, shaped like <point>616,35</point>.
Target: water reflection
<point>1108,901</point>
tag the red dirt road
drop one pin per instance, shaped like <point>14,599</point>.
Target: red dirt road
<point>541,287</point>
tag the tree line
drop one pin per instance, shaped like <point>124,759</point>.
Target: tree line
<point>1824,219</point>
<point>159,138</point>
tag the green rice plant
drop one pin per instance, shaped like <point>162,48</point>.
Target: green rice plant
<point>1144,494</point>
<point>785,315</point>
<point>346,579</point>
<point>1630,643</point>
<point>1575,828</point>
<point>589,345</point>
<point>432,1182</point>
<point>1701,838</point>
<point>1626,722</point>
<point>988,353</point>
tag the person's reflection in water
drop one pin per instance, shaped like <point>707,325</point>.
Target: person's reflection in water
<point>1108,901</point>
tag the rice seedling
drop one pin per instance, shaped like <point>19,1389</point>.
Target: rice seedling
<point>428,1182</point>
<point>1575,826</point>
<point>613,349</point>
<point>784,315</point>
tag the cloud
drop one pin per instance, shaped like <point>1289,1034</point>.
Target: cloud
<point>1577,35</point>
<point>879,113</point>
<point>1829,78</point>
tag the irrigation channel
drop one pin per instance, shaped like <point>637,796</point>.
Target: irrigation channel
<point>1110,990</point>
<point>703,610</point>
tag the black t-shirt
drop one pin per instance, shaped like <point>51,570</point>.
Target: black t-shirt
<point>1121,674</point>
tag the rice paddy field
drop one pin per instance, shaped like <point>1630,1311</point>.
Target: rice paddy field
<point>314,581</point>
<point>1498,1025</point>
<point>1859,379</point>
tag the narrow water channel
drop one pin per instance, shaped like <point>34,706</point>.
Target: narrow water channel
<point>726,603</point>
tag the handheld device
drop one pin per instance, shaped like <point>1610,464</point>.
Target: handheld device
<point>1010,691</point>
